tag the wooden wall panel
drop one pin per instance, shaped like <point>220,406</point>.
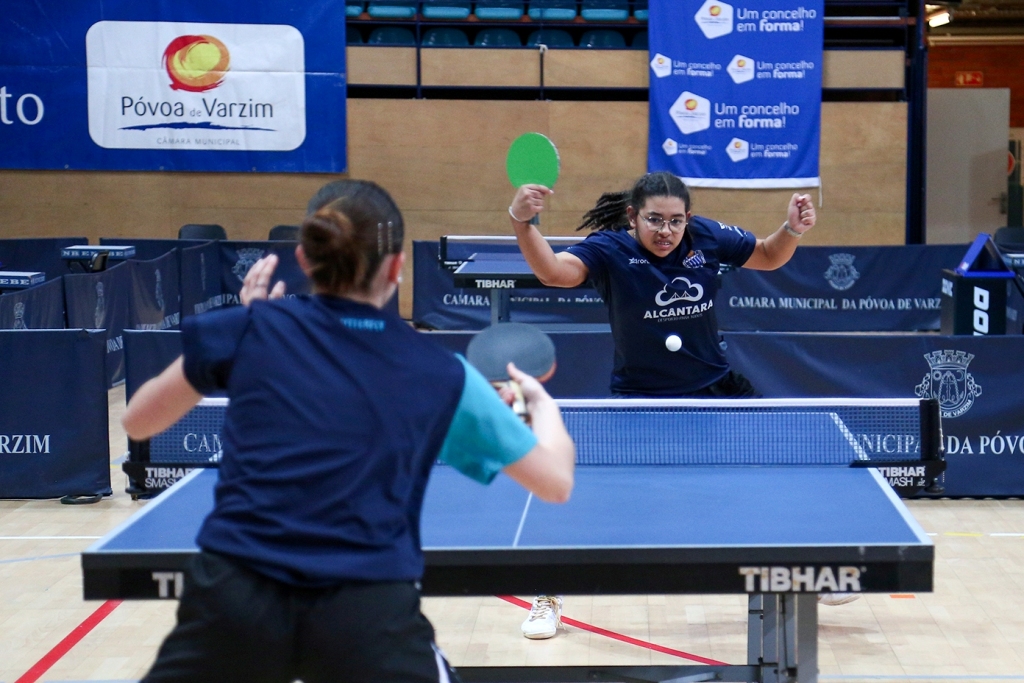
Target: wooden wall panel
<point>477,66</point>
<point>444,161</point>
<point>381,65</point>
<point>863,69</point>
<point>596,68</point>
<point>579,68</point>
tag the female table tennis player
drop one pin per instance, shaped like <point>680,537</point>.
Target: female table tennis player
<point>656,266</point>
<point>310,557</point>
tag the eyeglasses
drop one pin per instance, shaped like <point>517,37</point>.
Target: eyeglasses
<point>656,223</point>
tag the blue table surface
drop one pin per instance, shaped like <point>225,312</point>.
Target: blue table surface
<point>616,506</point>
<point>490,265</point>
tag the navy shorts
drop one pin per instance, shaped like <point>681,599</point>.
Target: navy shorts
<point>237,625</point>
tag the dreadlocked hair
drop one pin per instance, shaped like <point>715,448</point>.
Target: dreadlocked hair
<point>610,211</point>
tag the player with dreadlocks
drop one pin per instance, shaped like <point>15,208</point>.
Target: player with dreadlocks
<point>656,266</point>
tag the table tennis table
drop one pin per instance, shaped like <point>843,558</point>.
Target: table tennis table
<point>493,263</point>
<point>725,506</point>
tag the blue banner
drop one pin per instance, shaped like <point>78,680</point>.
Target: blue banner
<point>193,85</point>
<point>840,289</point>
<point>200,279</point>
<point>155,302</point>
<point>438,304</point>
<point>101,301</point>
<point>53,426</point>
<point>735,92</point>
<point>236,258</point>
<point>37,308</point>
<point>147,353</point>
<point>973,379</point>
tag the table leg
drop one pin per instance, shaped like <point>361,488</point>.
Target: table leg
<point>500,306</point>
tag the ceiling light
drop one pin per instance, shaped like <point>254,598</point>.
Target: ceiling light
<point>940,18</point>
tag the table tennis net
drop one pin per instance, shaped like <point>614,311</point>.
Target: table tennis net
<point>671,432</point>
<point>754,432</point>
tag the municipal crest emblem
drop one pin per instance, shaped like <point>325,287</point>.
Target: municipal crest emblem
<point>246,259</point>
<point>158,292</point>
<point>100,314</point>
<point>841,274</point>
<point>19,316</point>
<point>949,382</point>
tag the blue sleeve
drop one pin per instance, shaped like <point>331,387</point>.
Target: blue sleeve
<point>735,245</point>
<point>593,252</point>
<point>485,435</point>
<point>209,342</point>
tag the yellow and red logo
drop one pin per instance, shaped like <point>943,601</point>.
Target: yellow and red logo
<point>691,104</point>
<point>737,144</point>
<point>715,10</point>
<point>196,63</point>
<point>741,63</point>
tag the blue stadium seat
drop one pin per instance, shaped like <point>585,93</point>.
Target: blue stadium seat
<point>498,37</point>
<point>602,39</point>
<point>552,10</point>
<point>640,10</point>
<point>392,9</point>
<point>354,9</point>
<point>391,35</point>
<point>552,37</point>
<point>445,9</point>
<point>445,37</point>
<point>499,10</point>
<point>605,10</point>
<point>353,36</point>
<point>640,40</point>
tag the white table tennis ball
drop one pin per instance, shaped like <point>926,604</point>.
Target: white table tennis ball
<point>673,342</point>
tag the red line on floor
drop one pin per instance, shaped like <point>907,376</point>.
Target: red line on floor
<point>72,639</point>
<point>614,636</point>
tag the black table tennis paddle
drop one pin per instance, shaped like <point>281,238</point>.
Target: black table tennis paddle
<point>493,348</point>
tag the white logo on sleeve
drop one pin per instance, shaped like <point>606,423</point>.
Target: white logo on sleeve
<point>691,113</point>
<point>680,289</point>
<point>218,87</point>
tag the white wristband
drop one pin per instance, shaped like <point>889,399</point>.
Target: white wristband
<point>791,231</point>
<point>516,219</point>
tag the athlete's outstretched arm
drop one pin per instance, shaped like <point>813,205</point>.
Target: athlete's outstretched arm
<point>159,403</point>
<point>775,250</point>
<point>554,270</point>
<point>547,470</point>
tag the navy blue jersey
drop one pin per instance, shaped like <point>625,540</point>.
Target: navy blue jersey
<point>337,412</point>
<point>650,298</point>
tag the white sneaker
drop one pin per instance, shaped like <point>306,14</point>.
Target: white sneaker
<point>833,599</point>
<point>545,617</point>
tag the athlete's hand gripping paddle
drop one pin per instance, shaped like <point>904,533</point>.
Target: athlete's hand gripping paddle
<point>532,160</point>
<point>525,346</point>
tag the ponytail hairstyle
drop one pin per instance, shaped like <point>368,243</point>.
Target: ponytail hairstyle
<point>610,211</point>
<point>351,227</point>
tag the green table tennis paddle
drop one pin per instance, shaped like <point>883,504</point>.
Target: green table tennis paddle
<point>532,160</point>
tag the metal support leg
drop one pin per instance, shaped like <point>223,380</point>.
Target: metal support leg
<point>755,614</point>
<point>805,636</point>
<point>772,637</point>
<point>500,306</point>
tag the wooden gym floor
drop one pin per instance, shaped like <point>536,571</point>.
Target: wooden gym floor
<point>970,629</point>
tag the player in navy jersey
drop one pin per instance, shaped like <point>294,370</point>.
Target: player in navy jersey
<point>338,410</point>
<point>656,266</point>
